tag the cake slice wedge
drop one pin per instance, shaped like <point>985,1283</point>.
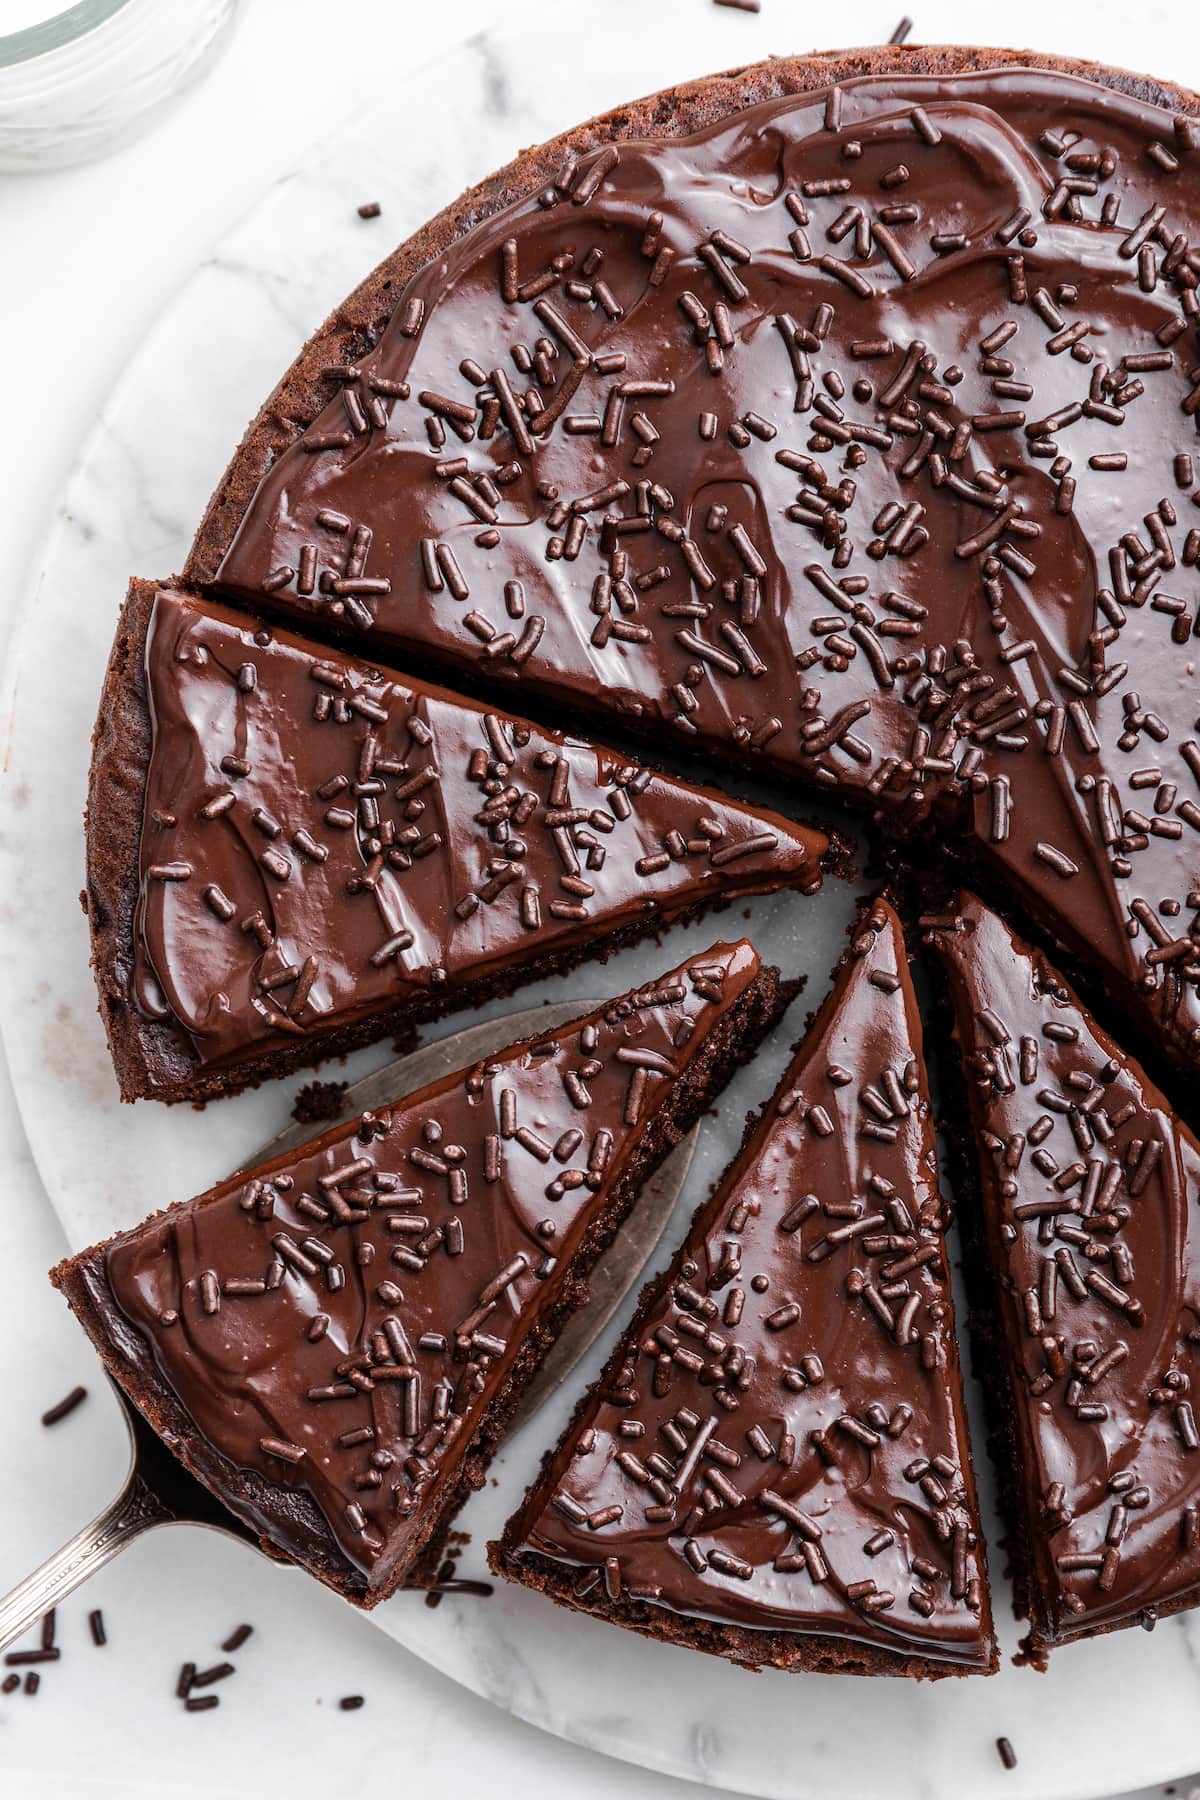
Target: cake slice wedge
<point>334,1342</point>
<point>292,852</point>
<point>774,1464</point>
<point>1090,1341</point>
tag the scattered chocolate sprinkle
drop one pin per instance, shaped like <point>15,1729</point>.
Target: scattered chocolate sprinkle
<point>206,1677</point>
<point>55,1414</point>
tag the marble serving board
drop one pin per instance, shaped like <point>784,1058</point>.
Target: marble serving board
<point>130,505</point>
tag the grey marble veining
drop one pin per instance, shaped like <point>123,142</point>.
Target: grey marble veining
<point>131,504</point>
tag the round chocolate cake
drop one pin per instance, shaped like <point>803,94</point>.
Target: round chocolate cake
<point>838,420</point>
<point>837,417</point>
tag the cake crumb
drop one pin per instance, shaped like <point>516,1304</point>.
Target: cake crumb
<point>318,1102</point>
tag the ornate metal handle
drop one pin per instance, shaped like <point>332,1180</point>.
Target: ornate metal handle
<point>136,1509</point>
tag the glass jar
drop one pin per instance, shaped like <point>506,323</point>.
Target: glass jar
<point>81,81</point>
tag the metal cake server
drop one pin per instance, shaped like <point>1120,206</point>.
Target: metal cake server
<point>158,1490</point>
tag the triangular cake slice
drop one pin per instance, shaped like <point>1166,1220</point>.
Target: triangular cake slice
<point>774,1465</point>
<point>334,1342</point>
<point>1087,1188</point>
<point>291,852</point>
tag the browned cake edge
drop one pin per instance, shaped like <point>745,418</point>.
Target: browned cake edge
<point>288,1522</point>
<point>152,1058</point>
<point>793,1652</point>
<point>356,325</point>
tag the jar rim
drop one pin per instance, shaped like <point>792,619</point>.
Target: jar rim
<point>55,33</point>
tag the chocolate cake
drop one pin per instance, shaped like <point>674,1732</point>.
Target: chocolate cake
<point>334,1342</point>
<point>836,420</point>
<point>291,852</point>
<point>1088,1232</point>
<point>837,416</point>
<point>774,1465</point>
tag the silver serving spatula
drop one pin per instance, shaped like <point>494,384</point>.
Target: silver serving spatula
<point>159,1491</point>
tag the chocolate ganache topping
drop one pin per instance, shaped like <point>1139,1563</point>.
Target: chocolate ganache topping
<point>340,1320</point>
<point>1089,1186</point>
<point>855,435</point>
<point>322,839</point>
<point>780,1443</point>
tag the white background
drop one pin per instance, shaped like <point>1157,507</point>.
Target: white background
<point>87,256</point>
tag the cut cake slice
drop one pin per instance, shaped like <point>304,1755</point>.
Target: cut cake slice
<point>291,852</point>
<point>334,1342</point>
<point>1088,1233</point>
<point>774,1465</point>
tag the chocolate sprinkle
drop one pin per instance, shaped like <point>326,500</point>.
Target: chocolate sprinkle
<point>55,1414</point>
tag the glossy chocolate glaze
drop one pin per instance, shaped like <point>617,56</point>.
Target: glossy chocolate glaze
<point>1089,1185</point>
<point>805,469</point>
<point>781,1444</point>
<point>322,838</point>
<point>341,1319</point>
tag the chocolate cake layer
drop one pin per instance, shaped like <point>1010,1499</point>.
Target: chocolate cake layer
<point>322,851</point>
<point>1088,1184</point>
<point>334,1342</point>
<point>774,1465</point>
<point>853,436</point>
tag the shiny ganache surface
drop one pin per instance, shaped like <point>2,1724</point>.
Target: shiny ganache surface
<point>783,1445</point>
<point>341,1319</point>
<point>856,435</point>
<point>322,839</point>
<point>1089,1185</point>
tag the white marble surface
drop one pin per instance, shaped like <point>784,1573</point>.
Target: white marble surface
<point>205,358</point>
